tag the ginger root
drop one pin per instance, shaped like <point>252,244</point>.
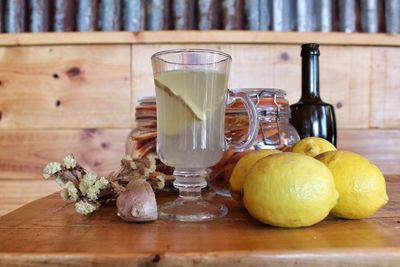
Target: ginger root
<point>138,202</point>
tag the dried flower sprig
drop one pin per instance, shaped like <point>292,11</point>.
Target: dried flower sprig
<point>89,191</point>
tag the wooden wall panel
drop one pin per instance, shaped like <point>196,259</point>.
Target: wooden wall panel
<point>65,87</point>
<point>380,146</point>
<point>24,153</point>
<point>345,74</point>
<point>14,193</point>
<point>385,80</point>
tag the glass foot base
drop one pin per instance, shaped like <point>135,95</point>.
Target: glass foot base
<point>187,209</point>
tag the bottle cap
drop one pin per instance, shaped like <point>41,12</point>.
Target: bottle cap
<point>310,49</point>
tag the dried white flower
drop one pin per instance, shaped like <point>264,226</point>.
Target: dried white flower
<point>147,172</point>
<point>50,169</point>
<point>117,188</point>
<point>133,165</point>
<point>69,192</point>
<point>161,182</point>
<point>126,157</point>
<point>87,182</point>
<point>90,186</point>
<point>83,207</point>
<point>153,167</point>
<point>92,193</point>
<point>102,182</point>
<point>69,162</point>
<point>59,181</point>
<point>152,159</point>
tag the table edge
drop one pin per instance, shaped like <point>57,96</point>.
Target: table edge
<point>388,256</point>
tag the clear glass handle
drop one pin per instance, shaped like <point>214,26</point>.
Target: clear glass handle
<point>253,121</point>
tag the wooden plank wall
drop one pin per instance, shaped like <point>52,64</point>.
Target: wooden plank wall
<point>58,99</point>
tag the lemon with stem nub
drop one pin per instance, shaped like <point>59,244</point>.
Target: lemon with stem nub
<point>361,185</point>
<point>289,190</point>
<point>313,146</point>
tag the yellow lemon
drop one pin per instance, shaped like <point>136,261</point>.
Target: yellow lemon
<point>289,190</point>
<point>238,176</point>
<point>313,146</point>
<point>361,185</point>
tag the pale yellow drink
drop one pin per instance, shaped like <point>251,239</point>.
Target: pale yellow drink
<point>190,117</point>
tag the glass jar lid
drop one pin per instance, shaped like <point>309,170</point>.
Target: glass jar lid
<point>269,101</point>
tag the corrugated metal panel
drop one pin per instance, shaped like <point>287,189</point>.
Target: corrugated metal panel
<point>110,15</point>
<point>134,15</point>
<point>307,15</point>
<point>183,14</point>
<point>86,16</point>
<point>39,15</point>
<point>325,13</point>
<point>284,15</point>
<point>1,15</point>
<point>232,14</point>
<point>158,15</point>
<point>209,16</point>
<point>369,15</point>
<point>258,14</point>
<point>392,19</point>
<point>252,14</point>
<point>14,20</point>
<point>137,15</point>
<point>64,19</point>
<point>265,14</point>
<point>347,16</point>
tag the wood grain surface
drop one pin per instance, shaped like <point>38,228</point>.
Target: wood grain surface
<point>385,80</point>
<point>100,149</point>
<point>197,37</point>
<point>381,147</point>
<point>65,87</point>
<point>361,82</point>
<point>15,193</point>
<point>48,233</point>
<point>24,153</point>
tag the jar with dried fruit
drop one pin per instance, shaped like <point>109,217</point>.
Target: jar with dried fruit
<point>142,140</point>
<point>275,131</point>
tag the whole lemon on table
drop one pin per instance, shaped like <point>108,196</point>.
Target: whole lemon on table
<point>361,185</point>
<point>238,176</point>
<point>289,190</point>
<point>313,146</point>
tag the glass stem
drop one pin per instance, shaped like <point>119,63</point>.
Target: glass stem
<point>190,182</point>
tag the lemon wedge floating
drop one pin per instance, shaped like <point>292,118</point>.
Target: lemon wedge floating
<point>196,111</point>
<point>187,97</point>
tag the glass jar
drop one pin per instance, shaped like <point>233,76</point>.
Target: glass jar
<point>275,132</point>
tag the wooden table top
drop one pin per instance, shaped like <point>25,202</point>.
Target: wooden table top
<point>48,233</point>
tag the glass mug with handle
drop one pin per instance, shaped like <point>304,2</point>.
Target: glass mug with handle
<point>191,94</point>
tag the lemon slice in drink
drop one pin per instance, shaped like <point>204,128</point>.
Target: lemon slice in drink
<point>185,98</point>
<point>193,107</point>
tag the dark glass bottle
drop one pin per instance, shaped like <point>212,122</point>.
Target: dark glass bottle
<point>311,116</point>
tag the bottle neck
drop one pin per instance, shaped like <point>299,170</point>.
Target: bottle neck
<point>310,78</point>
